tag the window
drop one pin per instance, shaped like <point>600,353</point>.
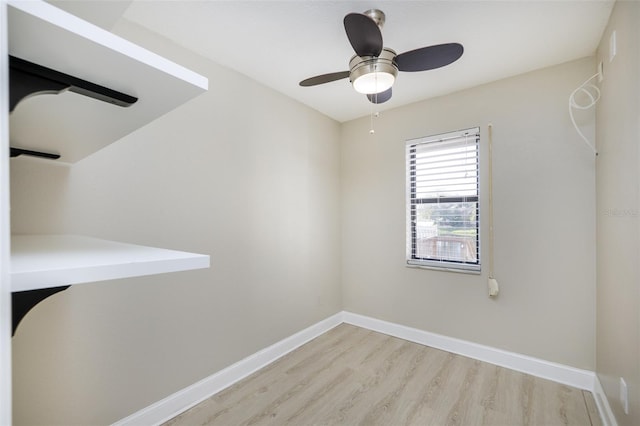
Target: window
<point>442,201</point>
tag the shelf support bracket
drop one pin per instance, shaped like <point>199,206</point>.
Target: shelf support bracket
<point>27,79</point>
<point>23,301</point>
<point>16,152</point>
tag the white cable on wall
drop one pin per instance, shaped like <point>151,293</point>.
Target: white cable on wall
<point>592,93</point>
<point>492,283</point>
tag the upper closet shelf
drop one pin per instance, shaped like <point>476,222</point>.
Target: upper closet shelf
<point>73,125</point>
<point>45,261</point>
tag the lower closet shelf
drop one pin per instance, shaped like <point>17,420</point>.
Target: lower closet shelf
<point>45,261</point>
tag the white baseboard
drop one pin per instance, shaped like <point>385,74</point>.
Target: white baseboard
<point>182,400</point>
<point>188,397</point>
<point>606,414</point>
<point>582,379</point>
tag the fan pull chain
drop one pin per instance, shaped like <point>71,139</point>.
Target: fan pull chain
<point>373,115</point>
<point>375,98</point>
<point>371,130</point>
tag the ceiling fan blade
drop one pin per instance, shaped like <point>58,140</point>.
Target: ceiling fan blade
<point>363,33</point>
<point>324,78</point>
<point>378,98</point>
<point>428,58</point>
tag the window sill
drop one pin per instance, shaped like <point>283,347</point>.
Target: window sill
<point>467,270</point>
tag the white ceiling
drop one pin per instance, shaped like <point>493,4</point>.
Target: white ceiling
<point>280,43</point>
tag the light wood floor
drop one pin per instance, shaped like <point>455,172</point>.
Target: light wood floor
<point>353,376</point>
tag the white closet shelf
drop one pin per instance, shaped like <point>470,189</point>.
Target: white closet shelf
<point>46,261</point>
<point>73,125</point>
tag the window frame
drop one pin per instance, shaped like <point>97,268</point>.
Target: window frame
<point>412,201</point>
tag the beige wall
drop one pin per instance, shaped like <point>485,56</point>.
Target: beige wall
<point>618,206</point>
<point>241,173</point>
<point>544,220</point>
<point>290,205</point>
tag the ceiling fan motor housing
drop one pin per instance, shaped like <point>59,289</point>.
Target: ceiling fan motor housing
<point>371,74</point>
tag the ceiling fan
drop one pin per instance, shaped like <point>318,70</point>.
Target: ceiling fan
<point>373,69</point>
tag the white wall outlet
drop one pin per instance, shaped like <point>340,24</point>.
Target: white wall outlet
<point>624,395</point>
<point>613,46</point>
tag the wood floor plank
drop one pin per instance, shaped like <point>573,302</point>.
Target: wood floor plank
<point>558,404</point>
<point>592,408</point>
<point>353,376</point>
<point>261,388</point>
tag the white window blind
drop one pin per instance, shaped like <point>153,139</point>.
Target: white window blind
<point>442,200</point>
